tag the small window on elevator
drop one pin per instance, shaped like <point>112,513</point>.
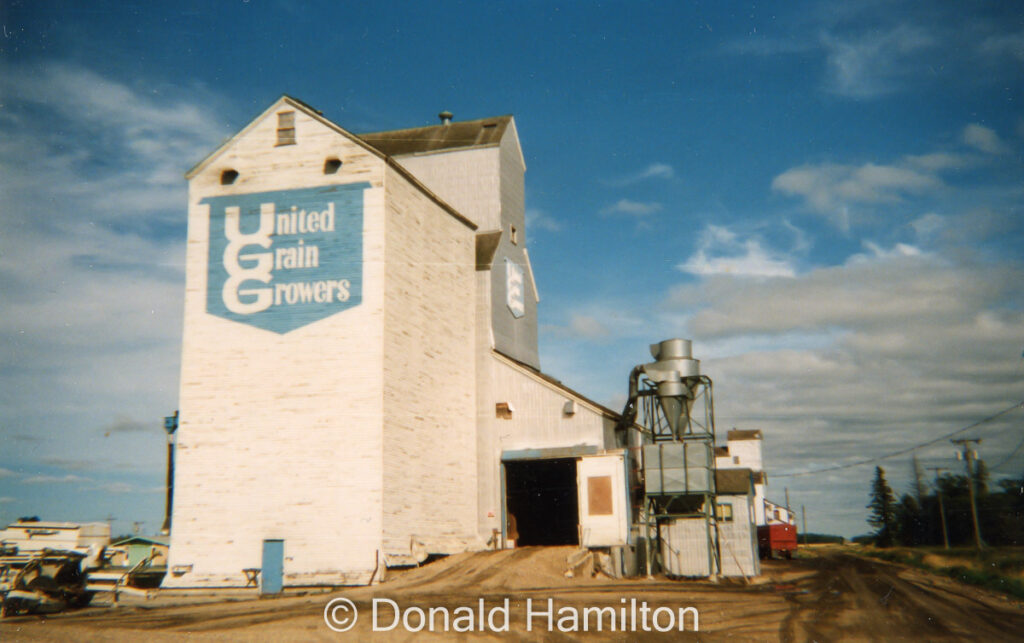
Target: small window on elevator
<point>513,235</point>
<point>286,128</point>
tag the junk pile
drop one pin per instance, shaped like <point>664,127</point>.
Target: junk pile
<point>48,567</point>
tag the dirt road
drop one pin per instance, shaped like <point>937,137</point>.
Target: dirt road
<point>832,596</point>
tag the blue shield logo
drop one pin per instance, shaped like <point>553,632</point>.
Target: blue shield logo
<point>282,260</point>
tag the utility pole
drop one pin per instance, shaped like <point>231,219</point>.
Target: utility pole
<point>787,499</point>
<point>942,509</point>
<point>968,454</point>
<point>170,427</point>
<point>803,512</point>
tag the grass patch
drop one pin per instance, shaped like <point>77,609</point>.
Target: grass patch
<point>995,579</point>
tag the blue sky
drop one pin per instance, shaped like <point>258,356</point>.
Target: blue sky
<point>826,199</point>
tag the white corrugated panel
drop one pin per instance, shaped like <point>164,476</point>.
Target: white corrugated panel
<point>684,547</point>
<point>738,539</point>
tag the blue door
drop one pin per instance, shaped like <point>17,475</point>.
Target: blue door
<point>273,567</point>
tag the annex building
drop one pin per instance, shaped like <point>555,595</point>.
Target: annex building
<point>360,381</point>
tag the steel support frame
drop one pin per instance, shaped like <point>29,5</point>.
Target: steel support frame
<point>655,430</point>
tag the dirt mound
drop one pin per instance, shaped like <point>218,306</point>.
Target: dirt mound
<point>499,571</point>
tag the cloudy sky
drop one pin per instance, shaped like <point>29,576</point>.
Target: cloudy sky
<point>826,198</point>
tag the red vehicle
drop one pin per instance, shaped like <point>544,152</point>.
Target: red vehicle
<point>776,540</point>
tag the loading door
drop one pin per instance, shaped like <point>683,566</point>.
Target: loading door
<point>541,501</point>
<point>604,512</point>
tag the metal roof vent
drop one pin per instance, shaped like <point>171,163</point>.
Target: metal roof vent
<point>446,117</point>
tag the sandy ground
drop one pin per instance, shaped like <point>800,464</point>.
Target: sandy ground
<point>830,596</point>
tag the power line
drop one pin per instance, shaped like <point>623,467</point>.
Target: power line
<point>879,458</point>
<point>1009,457</point>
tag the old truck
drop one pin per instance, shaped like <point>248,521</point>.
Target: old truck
<point>776,540</point>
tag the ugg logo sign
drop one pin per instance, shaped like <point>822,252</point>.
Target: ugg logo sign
<point>282,260</point>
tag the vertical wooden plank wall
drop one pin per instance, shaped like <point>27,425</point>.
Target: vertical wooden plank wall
<point>274,425</point>
<point>429,475</point>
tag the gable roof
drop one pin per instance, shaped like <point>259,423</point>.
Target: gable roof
<point>484,132</point>
<point>318,116</point>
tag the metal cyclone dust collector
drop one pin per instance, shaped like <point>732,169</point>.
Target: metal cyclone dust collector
<point>671,402</point>
<point>677,376</point>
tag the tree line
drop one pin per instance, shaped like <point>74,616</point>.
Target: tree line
<point>916,518</point>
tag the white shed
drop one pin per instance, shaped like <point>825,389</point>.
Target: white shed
<point>737,530</point>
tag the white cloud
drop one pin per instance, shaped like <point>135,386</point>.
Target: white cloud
<point>902,346</point>
<point>875,63</point>
<point>652,171</point>
<point>984,139</point>
<point>632,208</point>
<point>720,252</point>
<point>928,226</point>
<point>951,233</point>
<point>878,252</point>
<point>598,321</point>
<point>47,479</point>
<point>538,219</point>
<point>117,487</point>
<point>587,327</point>
<point>91,262</point>
<point>658,171</point>
<point>120,152</point>
<point>6,473</point>
<point>938,161</point>
<point>831,189</point>
<point>1011,44</point>
<point>882,287</point>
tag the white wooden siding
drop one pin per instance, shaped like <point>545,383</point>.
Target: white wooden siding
<point>738,538</point>
<point>273,425</point>
<point>466,179</point>
<point>537,422</point>
<point>429,376</point>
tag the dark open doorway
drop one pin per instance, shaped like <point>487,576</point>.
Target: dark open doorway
<point>542,496</point>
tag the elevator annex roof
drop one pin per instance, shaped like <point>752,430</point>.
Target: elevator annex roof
<point>484,132</point>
